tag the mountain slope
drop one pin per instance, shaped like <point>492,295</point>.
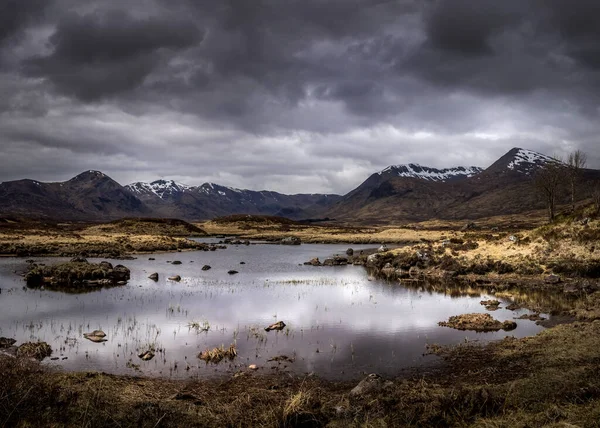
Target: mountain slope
<point>89,196</point>
<point>505,187</point>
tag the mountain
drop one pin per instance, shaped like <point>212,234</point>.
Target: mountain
<point>90,195</point>
<point>415,193</point>
<point>172,199</point>
<point>93,196</point>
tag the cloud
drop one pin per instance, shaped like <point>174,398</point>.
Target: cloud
<point>109,52</point>
<point>292,95</point>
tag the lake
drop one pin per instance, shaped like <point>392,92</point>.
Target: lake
<point>339,324</point>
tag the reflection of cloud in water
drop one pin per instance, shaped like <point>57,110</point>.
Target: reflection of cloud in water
<point>356,325</point>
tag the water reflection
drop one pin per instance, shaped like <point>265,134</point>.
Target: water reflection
<point>339,324</point>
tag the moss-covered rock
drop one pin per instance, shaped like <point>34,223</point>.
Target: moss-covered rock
<point>77,274</point>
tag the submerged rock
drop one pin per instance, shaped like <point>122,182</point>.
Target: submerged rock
<point>154,277</point>
<point>6,342</point>
<point>232,272</point>
<point>279,325</point>
<point>372,383</point>
<point>490,305</point>
<point>291,240</point>
<point>206,267</point>
<point>477,322</point>
<point>313,262</point>
<point>146,356</point>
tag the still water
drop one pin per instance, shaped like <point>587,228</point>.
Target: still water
<point>339,323</point>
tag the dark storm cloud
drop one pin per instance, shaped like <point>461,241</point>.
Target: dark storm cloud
<point>309,95</point>
<point>17,14</point>
<point>109,52</point>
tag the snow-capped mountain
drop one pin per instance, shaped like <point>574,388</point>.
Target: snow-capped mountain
<point>521,161</point>
<point>161,188</point>
<point>414,170</point>
<point>172,199</point>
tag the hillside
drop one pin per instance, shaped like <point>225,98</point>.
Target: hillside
<point>505,187</point>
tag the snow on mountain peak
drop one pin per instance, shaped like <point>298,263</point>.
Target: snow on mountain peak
<point>524,160</point>
<point>414,170</point>
<point>160,188</point>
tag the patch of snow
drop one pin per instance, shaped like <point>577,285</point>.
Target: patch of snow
<point>524,160</point>
<point>431,174</point>
<point>221,193</point>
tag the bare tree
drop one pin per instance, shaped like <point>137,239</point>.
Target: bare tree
<point>547,181</point>
<point>575,165</point>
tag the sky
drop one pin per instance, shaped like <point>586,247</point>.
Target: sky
<point>296,96</point>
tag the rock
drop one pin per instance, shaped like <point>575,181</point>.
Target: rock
<point>37,350</point>
<point>121,273</point>
<point>585,221</point>
<point>253,367</point>
<point>328,262</point>
<point>291,240</point>
<point>513,238</point>
<point>154,276</point>
<point>383,248</point>
<point>146,356</point>
<point>468,226</point>
<point>372,383</point>
<point>490,305</point>
<point>232,272</point>
<point>79,260</point>
<point>372,259</point>
<point>6,342</point>
<point>513,306</point>
<point>175,278</point>
<point>279,325</point>
<point>151,258</point>
<point>313,262</point>
<point>246,242</point>
<point>122,283</point>
<point>388,270</point>
<point>106,265</point>
<point>552,279</point>
<point>242,263</point>
<point>349,252</point>
<point>96,336</point>
<point>176,262</point>
<point>206,267</point>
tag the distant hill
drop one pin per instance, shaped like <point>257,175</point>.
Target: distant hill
<point>171,199</point>
<point>93,196</point>
<point>405,193</point>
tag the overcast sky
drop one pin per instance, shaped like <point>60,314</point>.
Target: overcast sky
<point>291,95</point>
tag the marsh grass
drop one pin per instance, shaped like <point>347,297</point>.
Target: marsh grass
<point>216,355</point>
<point>547,380</point>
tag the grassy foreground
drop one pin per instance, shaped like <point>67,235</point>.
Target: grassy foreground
<point>551,379</point>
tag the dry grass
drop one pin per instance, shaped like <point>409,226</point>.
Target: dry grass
<point>324,234</point>
<point>216,355</point>
<point>110,240</point>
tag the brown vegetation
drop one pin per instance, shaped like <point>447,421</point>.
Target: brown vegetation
<point>543,380</point>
